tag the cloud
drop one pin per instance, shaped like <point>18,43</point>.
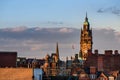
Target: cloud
<point>38,42</point>
<point>43,34</point>
<point>118,36</point>
<point>16,29</point>
<point>106,39</point>
<point>113,10</point>
<point>101,10</point>
<point>65,30</point>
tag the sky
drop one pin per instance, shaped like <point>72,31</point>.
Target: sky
<point>70,13</point>
<point>27,26</point>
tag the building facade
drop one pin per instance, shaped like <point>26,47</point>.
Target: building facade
<point>108,61</point>
<point>8,59</point>
<point>52,63</point>
<point>85,40</point>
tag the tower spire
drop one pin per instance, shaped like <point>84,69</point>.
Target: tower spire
<point>57,50</point>
<point>85,40</point>
<point>86,19</point>
<point>86,14</point>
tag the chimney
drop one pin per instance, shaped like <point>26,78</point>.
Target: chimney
<point>76,56</point>
<point>116,52</point>
<point>108,52</point>
<point>96,51</point>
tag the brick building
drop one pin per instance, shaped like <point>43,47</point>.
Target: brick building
<point>108,61</point>
<point>8,59</point>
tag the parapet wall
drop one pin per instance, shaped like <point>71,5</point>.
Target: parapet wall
<point>16,74</point>
<point>108,52</point>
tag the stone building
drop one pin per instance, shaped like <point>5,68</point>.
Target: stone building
<point>52,63</point>
<point>85,40</point>
<point>30,62</point>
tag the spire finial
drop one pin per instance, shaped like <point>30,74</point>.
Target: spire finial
<point>86,19</point>
<point>57,50</point>
<point>86,14</point>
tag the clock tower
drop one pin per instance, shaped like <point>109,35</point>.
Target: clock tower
<point>85,40</point>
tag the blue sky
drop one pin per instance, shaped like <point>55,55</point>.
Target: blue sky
<point>34,26</point>
<point>49,13</point>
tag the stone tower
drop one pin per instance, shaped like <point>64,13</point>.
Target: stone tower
<point>85,40</point>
